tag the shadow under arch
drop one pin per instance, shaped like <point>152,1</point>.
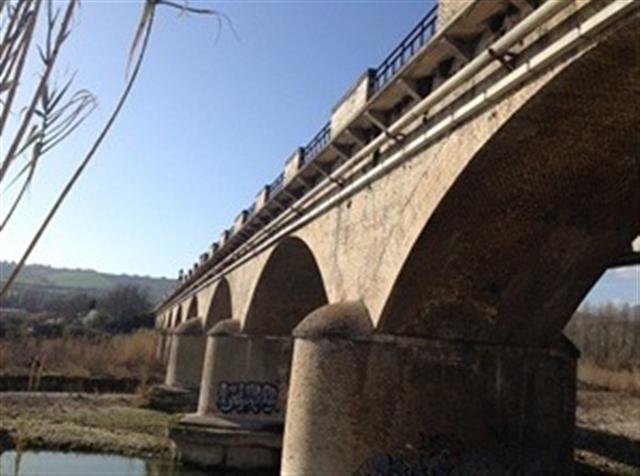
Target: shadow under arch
<point>290,287</point>
<point>220,308</point>
<point>177,318</point>
<point>538,214</point>
<point>193,308</point>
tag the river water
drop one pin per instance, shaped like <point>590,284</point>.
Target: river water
<point>54,463</point>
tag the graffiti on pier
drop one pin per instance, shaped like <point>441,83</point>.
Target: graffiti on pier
<point>248,397</point>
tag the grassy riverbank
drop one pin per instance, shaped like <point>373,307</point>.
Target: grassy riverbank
<point>93,423</point>
<point>607,430</point>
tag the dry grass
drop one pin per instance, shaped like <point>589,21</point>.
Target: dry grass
<point>607,432</point>
<point>119,356</point>
<point>627,381</point>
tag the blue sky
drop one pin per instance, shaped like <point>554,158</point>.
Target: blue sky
<point>207,125</point>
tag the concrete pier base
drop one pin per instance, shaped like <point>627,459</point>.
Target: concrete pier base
<point>172,399</point>
<point>240,417</point>
<point>364,403</point>
<point>212,442</point>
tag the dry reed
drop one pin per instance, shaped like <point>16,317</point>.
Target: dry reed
<point>118,356</point>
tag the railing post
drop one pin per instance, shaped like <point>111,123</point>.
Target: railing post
<point>239,221</point>
<point>292,165</point>
<point>261,198</point>
<point>353,102</point>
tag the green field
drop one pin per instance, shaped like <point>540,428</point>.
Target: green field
<point>63,280</point>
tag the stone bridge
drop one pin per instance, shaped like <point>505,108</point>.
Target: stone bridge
<point>395,299</point>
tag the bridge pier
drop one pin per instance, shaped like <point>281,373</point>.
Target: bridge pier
<point>241,408</point>
<point>186,355</point>
<point>163,341</point>
<point>366,403</point>
<point>185,348</point>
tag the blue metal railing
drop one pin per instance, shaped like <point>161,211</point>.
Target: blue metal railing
<point>315,145</point>
<point>407,48</point>
<point>276,185</point>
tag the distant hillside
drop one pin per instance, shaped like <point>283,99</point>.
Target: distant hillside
<point>70,280</point>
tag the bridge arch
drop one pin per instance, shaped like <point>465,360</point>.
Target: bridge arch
<point>289,287</point>
<point>220,307</point>
<point>538,214</point>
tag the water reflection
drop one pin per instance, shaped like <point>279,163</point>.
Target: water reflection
<point>51,463</point>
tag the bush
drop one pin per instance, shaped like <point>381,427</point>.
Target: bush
<point>607,335</point>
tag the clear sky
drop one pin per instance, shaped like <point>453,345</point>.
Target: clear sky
<point>207,125</point>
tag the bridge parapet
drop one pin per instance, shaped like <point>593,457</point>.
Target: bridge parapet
<point>261,199</point>
<point>353,102</point>
<point>224,237</point>
<point>239,221</point>
<point>292,166</point>
<point>317,144</point>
